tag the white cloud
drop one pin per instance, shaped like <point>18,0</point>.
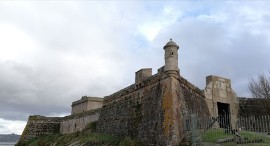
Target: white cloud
<point>167,16</point>
<point>11,126</point>
<point>15,42</point>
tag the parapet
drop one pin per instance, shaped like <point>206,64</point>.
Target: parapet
<point>142,75</point>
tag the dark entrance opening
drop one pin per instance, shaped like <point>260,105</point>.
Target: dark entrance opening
<point>224,115</point>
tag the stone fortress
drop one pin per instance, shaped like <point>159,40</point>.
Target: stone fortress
<point>151,110</point>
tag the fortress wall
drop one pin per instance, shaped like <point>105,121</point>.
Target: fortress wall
<point>186,99</point>
<point>153,113</point>
<point>78,122</point>
<point>40,125</point>
<point>193,97</point>
<point>135,112</point>
<point>254,107</point>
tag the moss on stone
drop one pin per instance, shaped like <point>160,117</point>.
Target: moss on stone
<point>80,138</point>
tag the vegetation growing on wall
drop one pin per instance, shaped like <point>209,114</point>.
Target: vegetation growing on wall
<point>81,138</point>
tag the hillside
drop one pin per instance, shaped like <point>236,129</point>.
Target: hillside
<point>80,139</point>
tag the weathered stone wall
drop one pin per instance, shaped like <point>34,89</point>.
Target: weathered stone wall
<point>78,122</point>
<point>152,112</point>
<point>186,99</point>
<point>79,108</point>
<point>254,107</point>
<point>135,112</point>
<point>194,97</point>
<point>40,125</point>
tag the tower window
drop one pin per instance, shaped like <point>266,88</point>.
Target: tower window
<point>172,53</point>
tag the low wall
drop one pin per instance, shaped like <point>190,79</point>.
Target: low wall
<point>254,107</point>
<point>78,122</point>
<point>40,125</point>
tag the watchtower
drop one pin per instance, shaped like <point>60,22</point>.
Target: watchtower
<point>171,58</point>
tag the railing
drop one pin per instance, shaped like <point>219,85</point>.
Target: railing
<point>222,130</point>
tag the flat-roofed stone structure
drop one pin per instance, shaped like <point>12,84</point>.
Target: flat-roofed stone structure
<point>221,99</point>
<point>86,103</point>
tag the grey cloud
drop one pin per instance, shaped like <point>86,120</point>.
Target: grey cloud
<point>226,48</point>
<point>94,49</point>
<point>75,59</point>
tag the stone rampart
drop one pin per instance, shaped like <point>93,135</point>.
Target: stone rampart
<point>193,97</point>
<point>254,107</point>
<point>121,93</point>
<point>135,112</point>
<point>78,122</point>
<point>185,99</point>
<point>153,111</point>
<point>39,125</point>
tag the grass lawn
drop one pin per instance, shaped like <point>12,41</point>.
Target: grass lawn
<point>213,135</point>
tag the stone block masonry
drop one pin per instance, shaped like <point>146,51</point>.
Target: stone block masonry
<point>39,125</point>
<point>135,112</point>
<point>153,111</point>
<point>78,122</point>
<point>221,98</point>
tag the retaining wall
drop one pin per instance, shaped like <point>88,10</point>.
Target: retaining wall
<point>39,125</point>
<point>78,122</point>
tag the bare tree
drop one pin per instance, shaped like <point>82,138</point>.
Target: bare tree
<point>260,88</point>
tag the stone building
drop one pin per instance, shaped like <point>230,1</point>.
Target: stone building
<point>153,109</point>
<point>86,104</point>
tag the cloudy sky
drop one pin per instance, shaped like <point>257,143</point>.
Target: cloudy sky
<point>54,52</point>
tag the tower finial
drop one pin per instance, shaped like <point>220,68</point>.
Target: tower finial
<point>170,39</point>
